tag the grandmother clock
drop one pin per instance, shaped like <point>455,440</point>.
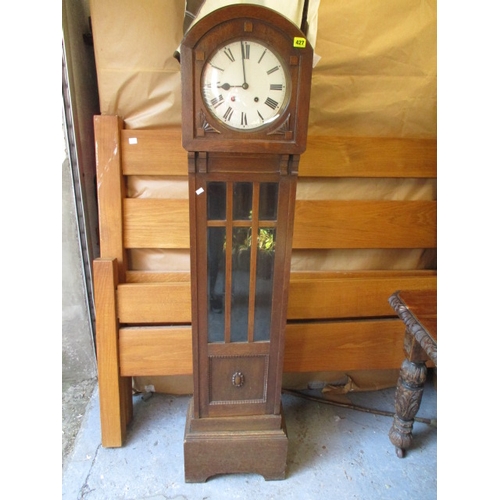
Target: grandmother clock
<point>246,77</point>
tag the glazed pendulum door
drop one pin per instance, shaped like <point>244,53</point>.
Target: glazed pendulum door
<point>235,352</point>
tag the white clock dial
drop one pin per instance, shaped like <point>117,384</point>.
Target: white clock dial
<point>245,85</point>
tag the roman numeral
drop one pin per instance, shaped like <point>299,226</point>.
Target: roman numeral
<point>272,70</point>
<point>228,113</point>
<point>207,91</point>
<point>276,86</point>
<point>229,54</point>
<point>271,103</point>
<point>216,67</point>
<point>217,101</point>
<point>260,116</point>
<point>243,118</point>
<point>246,51</point>
<point>263,53</point>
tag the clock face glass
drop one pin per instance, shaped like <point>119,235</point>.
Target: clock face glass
<point>245,85</point>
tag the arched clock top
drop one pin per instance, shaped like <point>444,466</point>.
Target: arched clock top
<point>246,73</point>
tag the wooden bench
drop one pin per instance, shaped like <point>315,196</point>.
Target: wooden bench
<point>337,320</point>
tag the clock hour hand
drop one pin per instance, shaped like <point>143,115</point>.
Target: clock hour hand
<point>226,86</point>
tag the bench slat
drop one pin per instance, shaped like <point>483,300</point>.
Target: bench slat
<point>155,223</point>
<point>341,297</point>
<point>309,347</point>
<point>328,156</point>
<point>347,297</point>
<point>153,152</point>
<point>163,223</point>
<point>160,152</point>
<point>365,224</point>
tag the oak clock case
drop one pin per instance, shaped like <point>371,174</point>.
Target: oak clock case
<point>245,109</point>
<point>236,63</point>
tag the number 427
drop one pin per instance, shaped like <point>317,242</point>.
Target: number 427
<point>299,41</point>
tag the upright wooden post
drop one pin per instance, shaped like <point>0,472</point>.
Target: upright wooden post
<point>108,271</point>
<point>111,390</point>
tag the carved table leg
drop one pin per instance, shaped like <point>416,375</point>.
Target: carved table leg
<point>420,344</point>
<point>409,392</point>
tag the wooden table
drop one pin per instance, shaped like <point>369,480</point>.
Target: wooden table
<point>418,310</point>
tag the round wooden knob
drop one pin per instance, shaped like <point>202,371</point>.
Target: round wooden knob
<point>238,379</point>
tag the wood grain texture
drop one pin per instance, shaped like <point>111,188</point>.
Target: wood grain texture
<point>154,303</point>
<point>160,152</point>
<point>157,277</point>
<point>328,156</point>
<point>152,351</point>
<point>309,347</point>
<point>110,188</point>
<point>113,408</point>
<point>153,152</point>
<point>328,224</point>
<point>185,277</point>
<point>365,224</point>
<point>344,345</point>
<point>311,296</point>
<point>156,223</point>
<point>347,297</point>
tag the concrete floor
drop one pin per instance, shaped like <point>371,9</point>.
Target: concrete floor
<point>75,400</point>
<point>334,452</point>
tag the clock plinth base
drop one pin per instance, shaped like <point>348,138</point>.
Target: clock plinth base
<point>211,452</point>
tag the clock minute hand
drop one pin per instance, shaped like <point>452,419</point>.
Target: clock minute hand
<point>245,84</point>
